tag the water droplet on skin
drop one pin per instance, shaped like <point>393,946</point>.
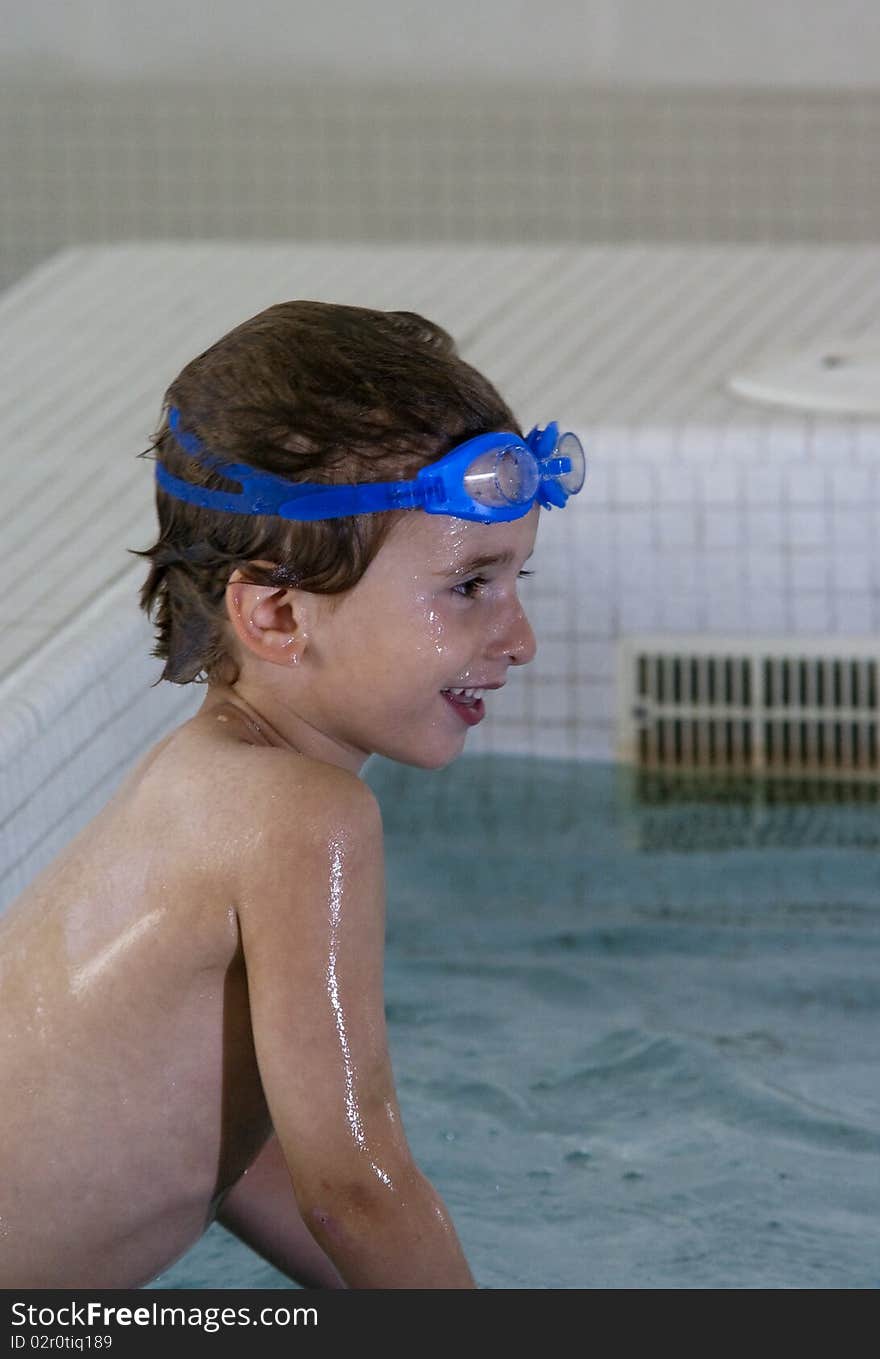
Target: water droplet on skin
<point>221,717</point>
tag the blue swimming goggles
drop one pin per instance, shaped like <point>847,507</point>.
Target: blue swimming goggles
<point>491,479</point>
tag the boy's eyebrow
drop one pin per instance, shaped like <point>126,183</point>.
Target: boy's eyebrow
<point>483,559</point>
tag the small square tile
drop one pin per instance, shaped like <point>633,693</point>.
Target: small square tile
<point>676,484</point>
<point>722,573</point>
<point>597,613</point>
<point>853,529</point>
<point>548,612</point>
<point>767,613</point>
<point>853,613</point>
<point>611,443</point>
<point>556,657</point>
<point>593,527</point>
<point>866,442</point>
<point>675,572</point>
<point>850,485</point>
<point>598,484</point>
<point>593,659</point>
<point>741,444</point>
<point>765,527</point>
<point>589,741</point>
<point>788,440</point>
<point>510,703</point>
<point>636,569</point>
<point>653,442</point>
<point>634,529</point>
<point>677,527</point>
<point>549,696</point>
<point>557,743</point>
<point>807,528</point>
<point>763,486</point>
<point>633,484</point>
<point>637,612</point>
<point>681,611</point>
<point>725,613</point>
<point>592,700</point>
<point>807,571</point>
<point>851,571</point>
<point>721,527</point>
<point>765,570</point>
<point>806,485</point>
<point>720,484</point>
<point>810,613</point>
<point>830,442</point>
<point>593,570</point>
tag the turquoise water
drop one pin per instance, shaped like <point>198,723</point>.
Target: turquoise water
<point>634,1027</point>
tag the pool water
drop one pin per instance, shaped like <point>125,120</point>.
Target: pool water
<point>633,1026</point>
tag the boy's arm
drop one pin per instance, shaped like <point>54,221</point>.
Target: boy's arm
<point>261,1210</point>
<point>312,917</point>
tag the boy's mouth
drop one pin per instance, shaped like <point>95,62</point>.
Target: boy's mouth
<point>468,703</point>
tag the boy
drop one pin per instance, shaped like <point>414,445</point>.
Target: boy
<point>192,991</point>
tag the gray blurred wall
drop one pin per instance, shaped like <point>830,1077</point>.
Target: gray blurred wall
<point>775,43</point>
<point>579,120</point>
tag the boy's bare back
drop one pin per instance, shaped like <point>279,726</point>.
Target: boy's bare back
<point>127,1042</point>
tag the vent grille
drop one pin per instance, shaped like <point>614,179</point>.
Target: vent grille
<point>790,708</point>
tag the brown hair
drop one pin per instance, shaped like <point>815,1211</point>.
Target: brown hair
<point>311,391</point>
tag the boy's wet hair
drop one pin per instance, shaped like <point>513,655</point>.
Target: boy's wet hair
<point>311,391</point>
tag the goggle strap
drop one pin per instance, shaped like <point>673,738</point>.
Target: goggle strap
<point>266,493</point>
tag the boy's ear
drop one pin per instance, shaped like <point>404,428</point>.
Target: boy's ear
<point>270,621</point>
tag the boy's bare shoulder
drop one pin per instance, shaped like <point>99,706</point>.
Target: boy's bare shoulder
<point>240,796</point>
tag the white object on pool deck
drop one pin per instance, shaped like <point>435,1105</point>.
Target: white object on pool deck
<point>840,375</point>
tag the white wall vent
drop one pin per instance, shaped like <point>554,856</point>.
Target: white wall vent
<point>804,707</point>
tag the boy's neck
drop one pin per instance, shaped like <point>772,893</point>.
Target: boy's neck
<point>282,729</point>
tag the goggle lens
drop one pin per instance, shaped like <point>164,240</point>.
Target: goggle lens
<point>570,447</point>
<point>500,477</point>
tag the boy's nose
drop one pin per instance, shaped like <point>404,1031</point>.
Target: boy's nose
<point>516,640</point>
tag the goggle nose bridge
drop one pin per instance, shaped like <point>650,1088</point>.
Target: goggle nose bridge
<point>556,466</point>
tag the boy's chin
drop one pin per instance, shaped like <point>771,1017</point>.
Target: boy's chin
<point>441,762</point>
<point>423,759</point>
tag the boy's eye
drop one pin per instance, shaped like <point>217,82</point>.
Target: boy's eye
<point>468,589</point>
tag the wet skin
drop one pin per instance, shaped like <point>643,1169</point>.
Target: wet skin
<point>132,1097</point>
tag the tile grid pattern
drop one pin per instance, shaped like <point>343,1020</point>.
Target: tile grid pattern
<point>422,162</point>
<point>703,513</point>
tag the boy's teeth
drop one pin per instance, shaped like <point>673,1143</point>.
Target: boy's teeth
<point>467,694</point>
